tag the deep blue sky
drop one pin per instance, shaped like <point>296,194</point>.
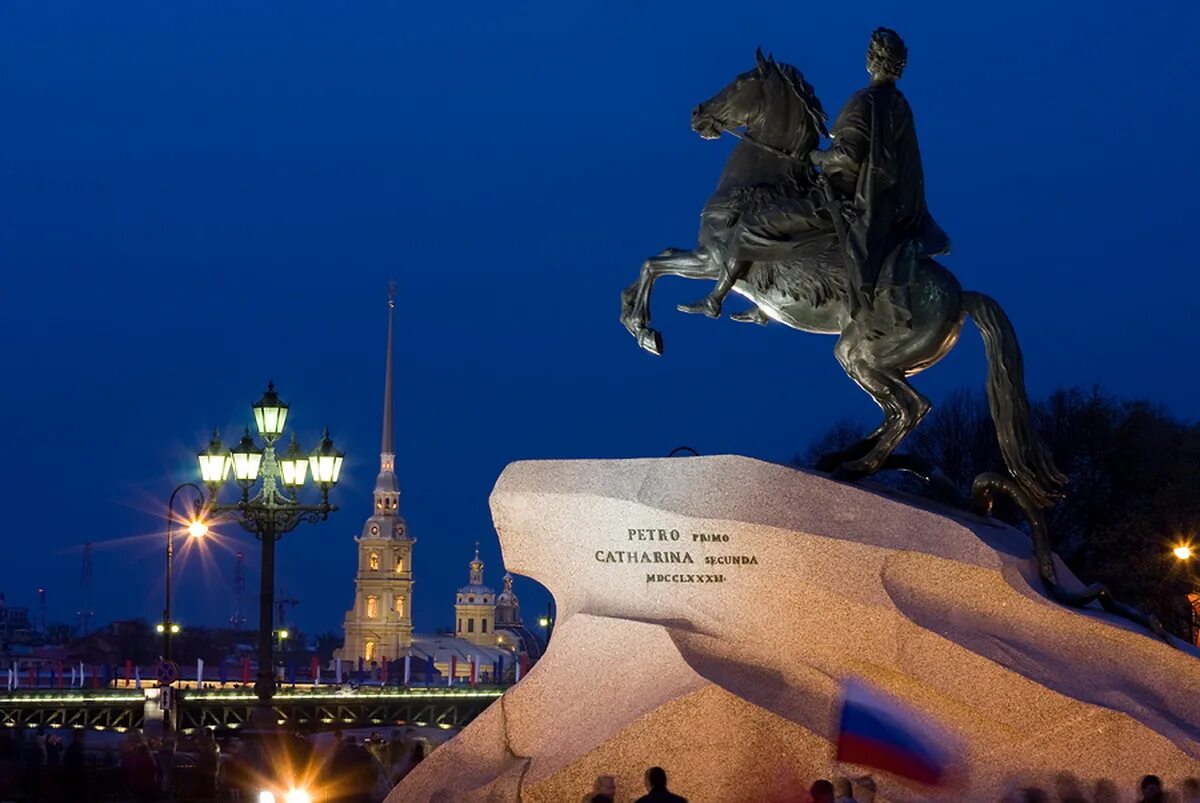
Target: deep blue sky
<point>198,197</point>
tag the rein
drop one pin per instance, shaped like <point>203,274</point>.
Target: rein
<point>744,137</point>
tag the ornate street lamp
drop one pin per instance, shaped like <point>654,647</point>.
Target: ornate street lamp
<point>293,466</point>
<point>275,509</point>
<point>196,528</point>
<point>215,463</point>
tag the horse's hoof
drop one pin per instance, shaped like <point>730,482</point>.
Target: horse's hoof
<point>632,326</point>
<point>651,341</point>
<point>850,472</point>
<point>829,462</point>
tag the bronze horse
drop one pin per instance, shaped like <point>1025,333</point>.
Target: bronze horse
<point>783,121</point>
<point>779,111</point>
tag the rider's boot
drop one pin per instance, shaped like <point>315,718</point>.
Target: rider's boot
<point>710,305</point>
<point>752,315</point>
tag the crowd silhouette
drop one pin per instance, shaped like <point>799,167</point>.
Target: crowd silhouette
<point>1066,788</point>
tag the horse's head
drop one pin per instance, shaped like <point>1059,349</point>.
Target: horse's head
<point>772,100</point>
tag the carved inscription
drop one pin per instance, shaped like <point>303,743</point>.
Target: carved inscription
<point>658,546</point>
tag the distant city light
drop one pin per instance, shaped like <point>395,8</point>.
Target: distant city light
<point>283,634</point>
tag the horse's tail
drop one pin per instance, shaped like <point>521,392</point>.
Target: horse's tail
<point>1025,454</point>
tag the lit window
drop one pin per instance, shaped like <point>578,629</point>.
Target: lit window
<point>374,561</point>
<point>372,607</point>
<point>400,605</point>
<point>470,625</point>
<point>399,564</point>
<point>369,651</point>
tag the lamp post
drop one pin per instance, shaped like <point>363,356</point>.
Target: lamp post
<point>547,621</point>
<point>276,508</point>
<point>197,529</point>
<point>1184,552</point>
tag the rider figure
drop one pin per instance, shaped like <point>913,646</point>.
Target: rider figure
<point>874,170</point>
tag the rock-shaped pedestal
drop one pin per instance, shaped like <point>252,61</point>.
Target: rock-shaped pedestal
<point>709,608</point>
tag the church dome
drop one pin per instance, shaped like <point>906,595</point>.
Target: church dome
<point>508,608</point>
<point>507,597</point>
<point>475,592</point>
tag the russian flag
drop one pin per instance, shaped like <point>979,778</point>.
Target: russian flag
<point>878,731</point>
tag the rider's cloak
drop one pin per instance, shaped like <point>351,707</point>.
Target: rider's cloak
<point>874,165</point>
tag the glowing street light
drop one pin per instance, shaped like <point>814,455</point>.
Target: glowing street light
<point>196,528</point>
<point>270,414</point>
<point>293,466</point>
<point>215,463</point>
<point>247,458</point>
<point>292,795</point>
<point>275,509</point>
<point>547,621</point>
<point>1183,551</point>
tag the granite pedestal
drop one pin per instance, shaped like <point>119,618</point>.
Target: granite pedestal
<point>709,609</point>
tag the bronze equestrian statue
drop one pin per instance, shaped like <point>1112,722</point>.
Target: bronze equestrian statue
<point>839,242</point>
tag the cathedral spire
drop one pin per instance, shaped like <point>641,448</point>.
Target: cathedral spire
<point>387,489</point>
<point>389,444</point>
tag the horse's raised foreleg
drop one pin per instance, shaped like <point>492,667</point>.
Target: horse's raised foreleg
<point>635,299</point>
<point>903,407</point>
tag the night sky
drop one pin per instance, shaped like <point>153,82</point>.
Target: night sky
<point>198,197</point>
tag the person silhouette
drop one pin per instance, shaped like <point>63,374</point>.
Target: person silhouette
<point>656,788</point>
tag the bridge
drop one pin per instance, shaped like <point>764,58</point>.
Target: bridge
<point>106,709</point>
<point>321,709</point>
<point>308,708</point>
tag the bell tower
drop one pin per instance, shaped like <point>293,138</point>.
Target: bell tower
<point>475,608</point>
<point>380,623</point>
